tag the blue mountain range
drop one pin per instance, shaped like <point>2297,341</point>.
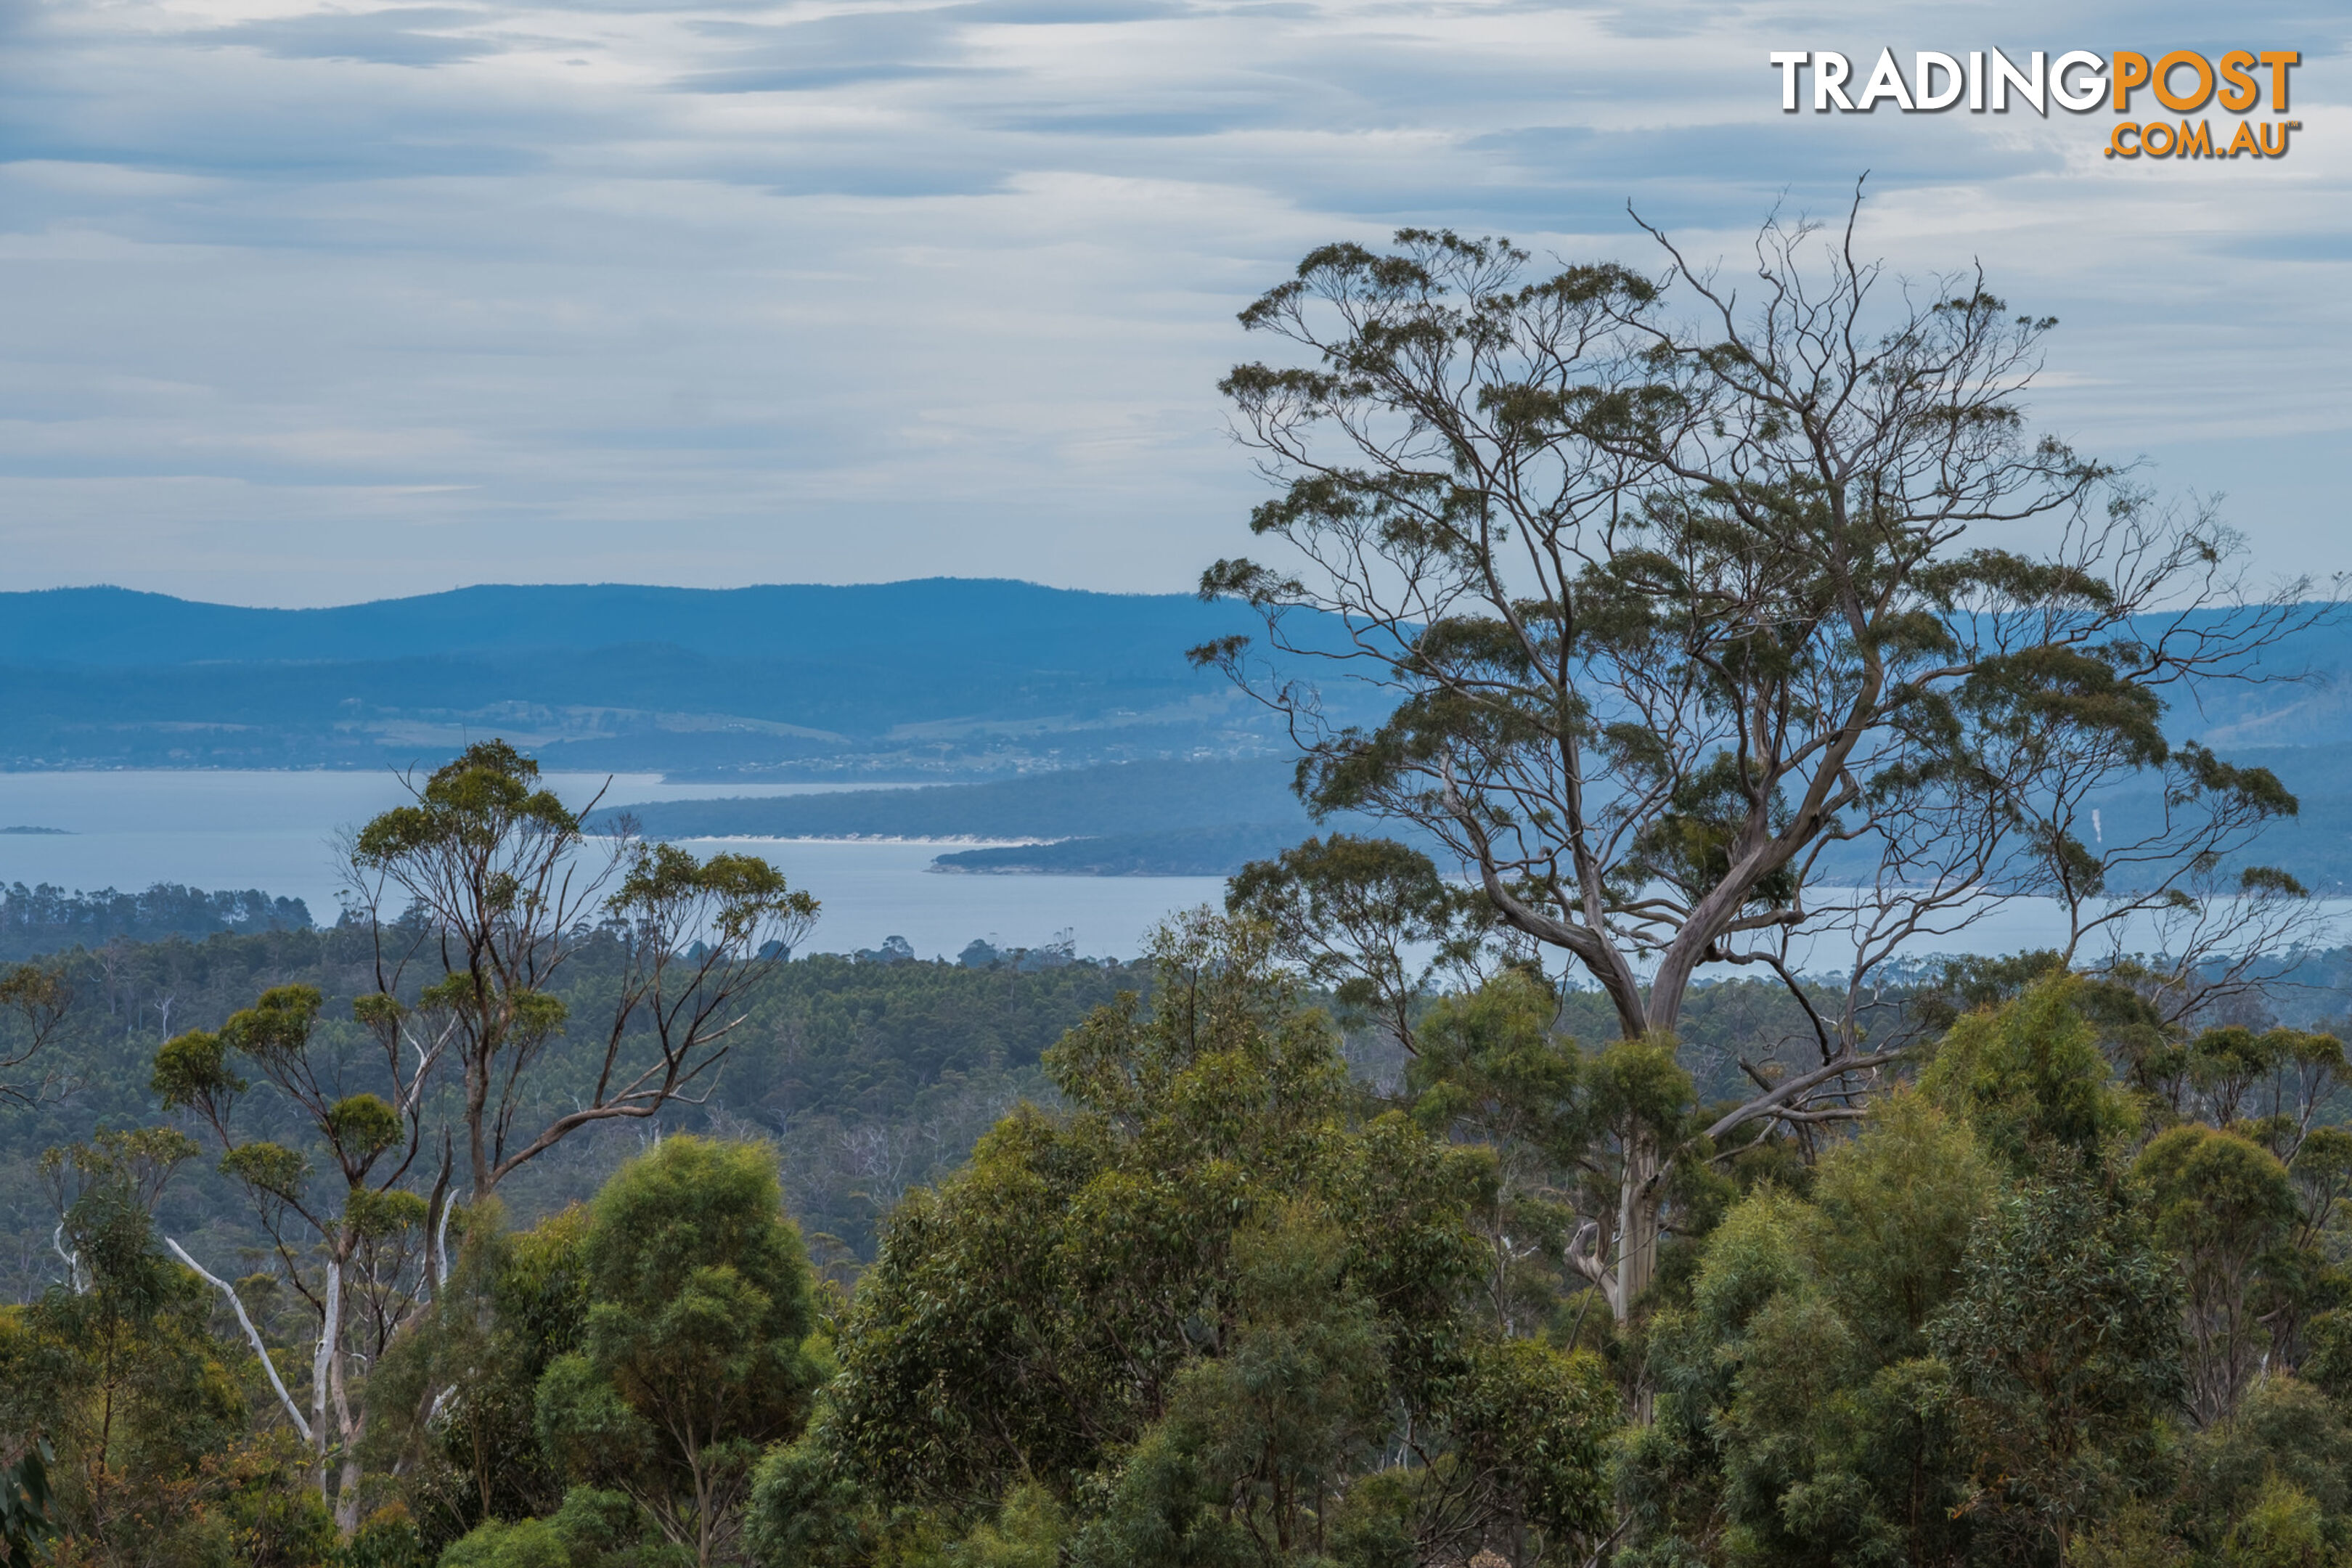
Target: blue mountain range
<point>1070,716</point>
<point>914,679</point>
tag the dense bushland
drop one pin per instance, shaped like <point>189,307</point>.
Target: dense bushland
<point>2060,1293</point>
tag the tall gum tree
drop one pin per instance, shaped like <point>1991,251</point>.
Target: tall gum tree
<point>488,884</point>
<point>1713,636</point>
<point>346,1232</point>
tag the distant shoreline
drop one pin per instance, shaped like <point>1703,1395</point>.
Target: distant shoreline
<point>962,840</point>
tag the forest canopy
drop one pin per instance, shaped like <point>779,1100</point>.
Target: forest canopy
<point>1210,1295</point>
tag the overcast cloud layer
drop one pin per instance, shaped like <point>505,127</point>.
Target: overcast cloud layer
<point>305,302</point>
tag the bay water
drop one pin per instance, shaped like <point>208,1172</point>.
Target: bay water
<point>276,831</point>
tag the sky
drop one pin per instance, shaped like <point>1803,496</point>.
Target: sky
<point>310,301</point>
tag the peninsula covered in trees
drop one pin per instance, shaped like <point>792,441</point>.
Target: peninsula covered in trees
<point>1557,1155</point>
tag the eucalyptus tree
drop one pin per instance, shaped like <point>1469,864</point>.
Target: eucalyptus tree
<point>488,860</point>
<point>1369,917</point>
<point>500,885</point>
<point>350,1239</point>
<point>691,1358</point>
<point>1723,624</point>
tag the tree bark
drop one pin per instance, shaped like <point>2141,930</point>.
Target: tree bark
<point>1638,1202</point>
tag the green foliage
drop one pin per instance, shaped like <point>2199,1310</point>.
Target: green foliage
<point>1269,1452</point>
<point>1369,917</point>
<point>377,1216</point>
<point>387,1537</point>
<point>1799,1411</point>
<point>592,1528</point>
<point>526,1543</point>
<point>2224,1208</point>
<point>362,1126</point>
<point>2030,1077</point>
<point>120,1373</point>
<point>1639,1085</point>
<point>271,1517</point>
<point>743,893</point>
<point>277,1026</point>
<point>642,1350</point>
<point>876,1076</point>
<point>1897,1208</point>
<point>988,1276</point>
<point>1222,1303</point>
<point>192,1074</point>
<point>1489,1061</point>
<point>2280,1530</point>
<point>1192,1309</point>
<point>474,800</point>
<point>1529,1427</point>
<point>270,1168</point>
<point>2285,1432</point>
<point>2135,1535</point>
<point>1492,1071</point>
<point>1029,1532</point>
<point>1016,1323</point>
<point>513,1305</point>
<point>2064,1342</point>
<point>690,1359</point>
<point>24,1520</point>
<point>1257,1442</point>
<point>808,1509</point>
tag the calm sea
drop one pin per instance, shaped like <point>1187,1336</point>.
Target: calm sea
<point>275,831</point>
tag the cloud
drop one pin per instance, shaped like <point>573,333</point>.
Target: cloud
<point>397,35</point>
<point>313,301</point>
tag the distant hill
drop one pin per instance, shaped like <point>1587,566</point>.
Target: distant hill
<point>988,618</point>
<point>2314,845</point>
<point>1205,818</point>
<point>1122,819</point>
<point>937,678</point>
<point>889,679</point>
<point>1186,852</point>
